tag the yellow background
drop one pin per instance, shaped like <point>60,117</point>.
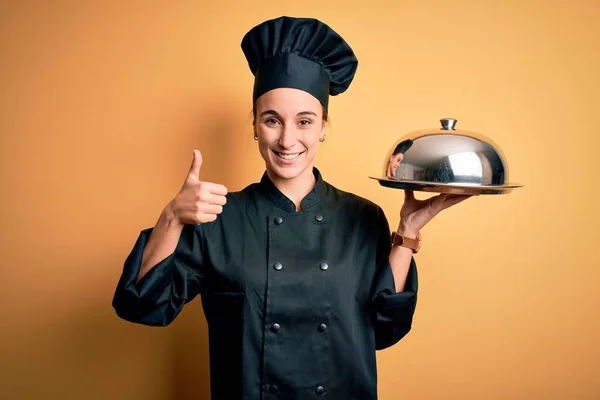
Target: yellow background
<point>101,104</point>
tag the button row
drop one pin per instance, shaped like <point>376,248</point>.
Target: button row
<point>279,220</point>
<point>319,390</point>
<point>279,266</point>
<point>276,327</point>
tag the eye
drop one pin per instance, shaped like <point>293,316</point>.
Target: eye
<point>305,122</point>
<point>271,121</point>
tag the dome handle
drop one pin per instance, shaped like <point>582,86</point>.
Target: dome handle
<point>448,124</point>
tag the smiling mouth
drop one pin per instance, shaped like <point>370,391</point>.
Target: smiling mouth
<point>287,156</point>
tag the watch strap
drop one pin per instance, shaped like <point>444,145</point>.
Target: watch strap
<point>412,243</point>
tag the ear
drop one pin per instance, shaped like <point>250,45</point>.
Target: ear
<point>324,127</point>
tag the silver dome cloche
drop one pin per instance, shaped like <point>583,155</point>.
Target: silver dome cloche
<point>446,160</point>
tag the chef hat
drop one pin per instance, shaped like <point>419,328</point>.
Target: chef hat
<point>299,53</point>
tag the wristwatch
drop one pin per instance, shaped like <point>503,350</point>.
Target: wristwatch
<point>413,244</point>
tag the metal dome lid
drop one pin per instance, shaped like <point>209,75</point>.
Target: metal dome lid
<point>447,160</point>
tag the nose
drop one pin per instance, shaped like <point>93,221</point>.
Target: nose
<point>288,139</point>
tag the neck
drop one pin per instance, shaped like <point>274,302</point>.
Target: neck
<point>296,188</point>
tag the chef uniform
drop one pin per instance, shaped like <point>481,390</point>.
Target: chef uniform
<point>296,302</point>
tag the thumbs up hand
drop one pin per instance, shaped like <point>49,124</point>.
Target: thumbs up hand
<point>198,202</point>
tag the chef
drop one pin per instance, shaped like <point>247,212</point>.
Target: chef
<point>300,282</point>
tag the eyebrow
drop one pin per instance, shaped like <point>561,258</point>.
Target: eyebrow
<point>273,112</point>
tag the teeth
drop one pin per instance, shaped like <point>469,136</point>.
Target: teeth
<point>288,156</point>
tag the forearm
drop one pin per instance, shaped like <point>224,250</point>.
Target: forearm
<point>400,259</point>
<point>162,241</point>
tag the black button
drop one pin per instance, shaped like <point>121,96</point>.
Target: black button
<point>324,266</point>
<point>278,220</point>
<point>275,327</point>
<point>322,327</point>
<point>273,389</point>
<point>278,266</point>
<point>319,218</point>
<point>320,390</point>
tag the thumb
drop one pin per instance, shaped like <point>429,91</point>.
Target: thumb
<point>195,167</point>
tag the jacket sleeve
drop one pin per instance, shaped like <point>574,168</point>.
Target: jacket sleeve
<point>393,311</point>
<point>161,294</point>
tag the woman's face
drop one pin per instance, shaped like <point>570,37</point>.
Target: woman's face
<point>393,164</point>
<point>289,124</point>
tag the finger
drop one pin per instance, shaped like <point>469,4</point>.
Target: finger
<point>440,198</point>
<point>453,200</point>
<point>409,195</point>
<point>194,171</point>
<point>204,218</point>
<point>437,202</point>
<point>214,188</point>
<point>206,208</point>
<point>211,198</point>
<point>444,201</point>
<point>210,217</point>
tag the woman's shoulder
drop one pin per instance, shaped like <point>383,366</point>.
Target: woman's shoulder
<point>350,199</point>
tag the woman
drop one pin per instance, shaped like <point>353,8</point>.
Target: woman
<point>299,281</point>
<point>397,157</point>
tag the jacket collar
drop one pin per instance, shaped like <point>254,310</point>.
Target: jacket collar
<point>314,197</point>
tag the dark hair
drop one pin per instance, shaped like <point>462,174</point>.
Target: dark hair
<point>403,146</point>
<point>325,115</point>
